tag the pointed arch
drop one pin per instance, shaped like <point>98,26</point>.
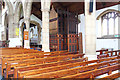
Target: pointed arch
<point>109,10</point>
<point>18,8</point>
<point>9,6</point>
<point>39,30</point>
<point>5,34</point>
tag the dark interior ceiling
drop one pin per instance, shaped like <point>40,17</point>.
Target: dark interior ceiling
<point>73,7</point>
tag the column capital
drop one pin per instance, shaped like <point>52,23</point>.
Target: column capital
<point>45,5</point>
<point>26,19</point>
<point>45,10</point>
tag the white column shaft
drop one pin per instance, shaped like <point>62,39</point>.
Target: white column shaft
<point>45,31</point>
<point>90,29</point>
<point>27,42</point>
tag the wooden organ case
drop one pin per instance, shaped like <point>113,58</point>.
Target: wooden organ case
<point>63,31</point>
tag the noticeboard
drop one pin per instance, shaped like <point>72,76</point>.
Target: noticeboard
<point>26,35</point>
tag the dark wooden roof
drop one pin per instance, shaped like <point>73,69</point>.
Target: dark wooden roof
<point>73,7</point>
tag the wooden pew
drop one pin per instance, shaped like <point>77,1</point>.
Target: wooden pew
<point>40,61</point>
<point>25,55</point>
<point>92,74</point>
<point>44,60</point>
<point>22,56</point>
<point>102,56</point>
<point>110,77</point>
<point>37,53</point>
<point>17,51</point>
<point>109,54</point>
<point>102,50</point>
<point>67,66</point>
<point>25,70</point>
<point>62,73</point>
<point>31,55</point>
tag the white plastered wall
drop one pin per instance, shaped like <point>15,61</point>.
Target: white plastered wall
<point>100,43</point>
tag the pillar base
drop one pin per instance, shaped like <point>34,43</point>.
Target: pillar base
<point>46,50</point>
<point>26,44</point>
<point>14,42</point>
<point>91,57</point>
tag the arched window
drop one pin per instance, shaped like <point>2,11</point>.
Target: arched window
<point>110,23</point>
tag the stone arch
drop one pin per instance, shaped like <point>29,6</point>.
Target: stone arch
<point>21,28</point>
<point>18,8</point>
<point>5,34</point>
<point>27,9</point>
<point>9,5</point>
<point>109,10</point>
<point>39,30</point>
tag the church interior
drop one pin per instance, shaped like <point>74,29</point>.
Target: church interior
<point>60,39</point>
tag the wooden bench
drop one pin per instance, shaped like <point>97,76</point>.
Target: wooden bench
<point>37,53</point>
<point>16,51</point>
<point>109,54</point>
<point>68,65</point>
<point>102,50</point>
<point>25,71</point>
<point>40,61</point>
<point>24,55</point>
<point>74,71</point>
<point>30,54</point>
<point>97,72</point>
<point>62,73</point>
<point>111,76</point>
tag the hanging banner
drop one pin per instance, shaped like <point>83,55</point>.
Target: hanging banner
<point>26,35</point>
<point>17,31</point>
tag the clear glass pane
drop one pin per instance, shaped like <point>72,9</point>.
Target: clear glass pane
<point>105,27</point>
<point>116,25</point>
<point>111,26</point>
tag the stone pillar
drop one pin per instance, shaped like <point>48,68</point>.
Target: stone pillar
<point>10,24</point>
<point>11,31</point>
<point>27,32</point>
<point>15,30</point>
<point>90,31</point>
<point>45,7</point>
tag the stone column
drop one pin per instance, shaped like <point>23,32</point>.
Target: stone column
<point>11,31</point>
<point>11,27</point>
<point>90,31</point>
<point>27,41</point>
<point>15,30</point>
<point>45,8</point>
